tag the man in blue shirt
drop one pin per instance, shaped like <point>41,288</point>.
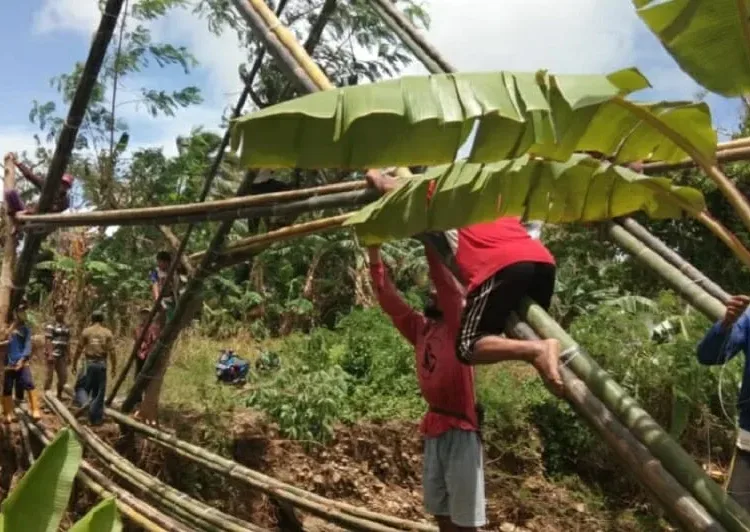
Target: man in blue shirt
<point>721,343</point>
<point>17,370</point>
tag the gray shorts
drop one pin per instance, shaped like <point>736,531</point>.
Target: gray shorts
<point>453,477</point>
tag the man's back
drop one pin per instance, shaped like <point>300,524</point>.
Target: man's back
<point>97,341</point>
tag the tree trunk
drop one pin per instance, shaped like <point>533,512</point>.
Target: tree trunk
<point>9,249</point>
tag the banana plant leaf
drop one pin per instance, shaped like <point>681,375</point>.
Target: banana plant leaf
<point>41,497</point>
<point>102,518</point>
<point>709,39</point>
<point>581,189</point>
<point>424,120</point>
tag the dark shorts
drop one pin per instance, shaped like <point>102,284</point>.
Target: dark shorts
<point>739,478</point>
<point>489,305</point>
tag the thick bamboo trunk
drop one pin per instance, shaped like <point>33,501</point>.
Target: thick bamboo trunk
<point>304,500</point>
<point>672,257</point>
<point>67,139</point>
<point>151,486</point>
<point>670,494</point>
<point>9,248</point>
<point>137,511</point>
<point>227,209</point>
<point>675,460</point>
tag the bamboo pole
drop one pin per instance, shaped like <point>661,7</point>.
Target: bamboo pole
<point>650,472</point>
<point>66,140</point>
<point>672,257</point>
<point>9,247</point>
<point>181,245</point>
<point>137,511</point>
<point>310,502</point>
<point>226,209</point>
<point>150,485</point>
<point>723,155</point>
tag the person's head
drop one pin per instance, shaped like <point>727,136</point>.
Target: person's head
<point>143,314</point>
<point>432,308</point>
<point>67,181</point>
<point>21,313</point>
<point>59,312</point>
<point>163,259</point>
<point>97,317</point>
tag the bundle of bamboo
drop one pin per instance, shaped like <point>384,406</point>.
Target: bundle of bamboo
<point>137,511</point>
<point>174,502</point>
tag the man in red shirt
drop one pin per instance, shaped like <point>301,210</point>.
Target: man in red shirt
<point>500,264</point>
<point>453,476</point>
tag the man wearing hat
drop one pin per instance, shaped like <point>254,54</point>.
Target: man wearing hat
<point>17,370</point>
<point>97,345</point>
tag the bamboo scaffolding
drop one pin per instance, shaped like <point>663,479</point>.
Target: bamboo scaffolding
<point>169,497</point>
<point>227,209</point>
<point>137,511</point>
<point>66,140</point>
<point>672,257</point>
<point>9,247</point>
<point>679,503</point>
<point>658,442</point>
<point>310,502</point>
<point>180,248</point>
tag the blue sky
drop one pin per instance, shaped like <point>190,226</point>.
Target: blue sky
<point>572,36</point>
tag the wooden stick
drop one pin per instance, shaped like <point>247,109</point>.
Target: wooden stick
<point>724,155</point>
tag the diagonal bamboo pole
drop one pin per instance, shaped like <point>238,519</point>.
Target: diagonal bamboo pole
<point>137,511</point>
<point>209,179</point>
<point>67,139</point>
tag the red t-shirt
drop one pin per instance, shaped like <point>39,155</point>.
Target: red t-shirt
<point>445,383</point>
<point>481,250</point>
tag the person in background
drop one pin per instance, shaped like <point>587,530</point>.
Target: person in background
<point>453,472</point>
<point>17,370</point>
<point>501,265</point>
<point>14,203</point>
<point>159,282</point>
<point>97,345</point>
<point>56,350</point>
<point>722,342</point>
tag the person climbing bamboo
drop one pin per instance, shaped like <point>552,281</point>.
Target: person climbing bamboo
<point>17,373</point>
<point>720,344</point>
<point>56,351</point>
<point>171,287</point>
<point>14,203</point>
<point>453,476</point>
<point>147,411</point>
<point>97,345</point>
<point>501,265</point>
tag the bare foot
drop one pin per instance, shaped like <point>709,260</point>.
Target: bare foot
<point>546,364</point>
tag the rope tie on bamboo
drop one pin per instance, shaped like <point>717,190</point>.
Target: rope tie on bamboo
<point>567,356</point>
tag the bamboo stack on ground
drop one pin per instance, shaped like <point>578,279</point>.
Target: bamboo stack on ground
<point>640,424</point>
<point>304,500</point>
<point>137,511</point>
<point>171,500</point>
<point>66,140</point>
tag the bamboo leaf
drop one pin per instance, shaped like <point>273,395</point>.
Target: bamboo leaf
<point>102,518</point>
<point>581,189</point>
<point>41,497</point>
<point>424,120</point>
<point>680,414</point>
<point>709,39</point>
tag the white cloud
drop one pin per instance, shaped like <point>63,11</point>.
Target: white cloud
<point>79,16</point>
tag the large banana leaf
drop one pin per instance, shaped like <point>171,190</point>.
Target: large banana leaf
<point>102,518</point>
<point>424,120</point>
<point>709,39</point>
<point>580,189</point>
<point>39,501</point>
